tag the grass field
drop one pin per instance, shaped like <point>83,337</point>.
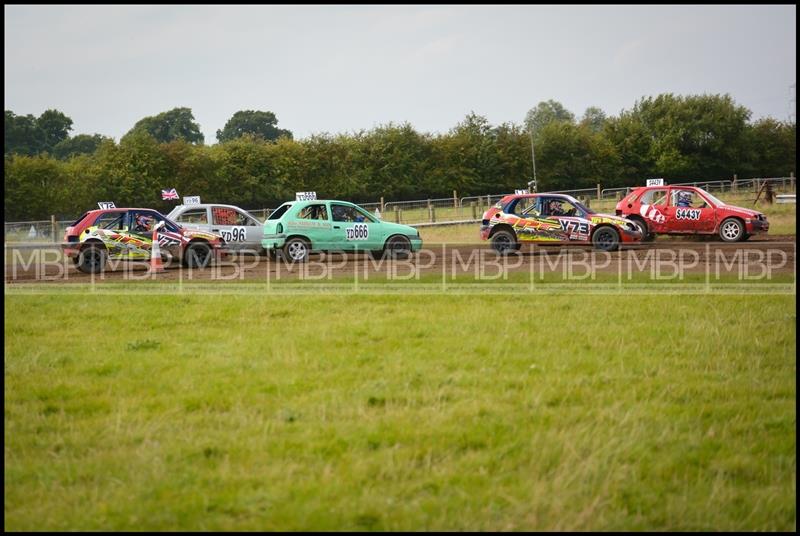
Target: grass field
<point>400,412</point>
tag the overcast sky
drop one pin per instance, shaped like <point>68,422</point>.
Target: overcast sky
<point>344,68</point>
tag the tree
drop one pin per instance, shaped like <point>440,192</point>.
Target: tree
<point>22,135</point>
<point>694,136</point>
<point>80,144</point>
<point>547,112</point>
<point>256,123</point>
<point>771,148</point>
<point>55,127</point>
<point>594,118</point>
<point>176,124</point>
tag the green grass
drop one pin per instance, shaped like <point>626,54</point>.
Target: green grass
<point>400,412</point>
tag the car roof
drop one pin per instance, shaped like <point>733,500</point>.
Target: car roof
<point>205,205</point>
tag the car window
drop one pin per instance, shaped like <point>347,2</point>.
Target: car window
<point>520,205</point>
<point>227,216</point>
<point>281,210</point>
<point>558,206</point>
<point>348,213</point>
<point>313,212</point>
<point>194,215</point>
<point>111,220</point>
<point>654,197</point>
<point>686,198</point>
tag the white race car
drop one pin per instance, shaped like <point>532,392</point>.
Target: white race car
<point>240,229</point>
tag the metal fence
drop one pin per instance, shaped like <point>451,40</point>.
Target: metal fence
<point>442,210</point>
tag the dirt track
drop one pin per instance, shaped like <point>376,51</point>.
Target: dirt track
<point>767,255</point>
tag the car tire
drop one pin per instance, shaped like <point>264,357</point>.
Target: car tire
<point>731,230</point>
<point>605,238</point>
<point>746,236</point>
<point>504,242</point>
<point>397,247</point>
<point>91,259</point>
<point>197,255</point>
<point>647,236</point>
<point>296,250</point>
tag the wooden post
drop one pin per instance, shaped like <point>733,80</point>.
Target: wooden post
<point>455,199</point>
<point>733,183</point>
<point>431,213</point>
<point>54,228</point>
<point>474,207</point>
<point>383,208</point>
<point>488,201</point>
<point>396,214</point>
<point>598,191</point>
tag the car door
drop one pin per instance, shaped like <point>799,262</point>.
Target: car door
<point>706,220</point>
<point>653,207</point>
<point>237,228</point>
<point>354,228</point>
<point>683,218</point>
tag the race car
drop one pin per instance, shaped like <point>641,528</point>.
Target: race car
<point>553,219</point>
<point>239,229</point>
<point>688,210</point>
<point>298,228</point>
<point>127,234</point>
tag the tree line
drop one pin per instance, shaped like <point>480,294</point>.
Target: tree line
<point>255,164</point>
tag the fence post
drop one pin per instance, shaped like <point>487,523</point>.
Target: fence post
<point>474,207</point>
<point>488,201</point>
<point>455,199</point>
<point>431,213</point>
<point>733,183</point>
<point>54,228</point>
<point>598,192</point>
<point>396,214</point>
<point>383,208</point>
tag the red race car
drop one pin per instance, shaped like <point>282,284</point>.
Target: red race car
<point>553,219</point>
<point>689,210</point>
<point>127,234</point>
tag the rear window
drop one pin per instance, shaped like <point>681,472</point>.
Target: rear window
<point>76,222</point>
<point>279,212</point>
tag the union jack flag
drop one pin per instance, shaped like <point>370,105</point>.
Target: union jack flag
<point>169,194</point>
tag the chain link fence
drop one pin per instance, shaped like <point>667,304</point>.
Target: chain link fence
<point>450,209</point>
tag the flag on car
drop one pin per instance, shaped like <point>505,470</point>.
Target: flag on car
<point>169,194</point>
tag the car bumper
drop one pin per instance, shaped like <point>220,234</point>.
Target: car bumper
<point>275,241</point>
<point>628,236</point>
<point>485,229</point>
<point>416,243</point>
<point>756,227</point>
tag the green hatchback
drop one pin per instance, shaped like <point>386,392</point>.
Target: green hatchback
<point>298,228</point>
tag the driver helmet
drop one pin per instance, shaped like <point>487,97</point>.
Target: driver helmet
<point>144,222</point>
<point>554,205</point>
<point>685,198</point>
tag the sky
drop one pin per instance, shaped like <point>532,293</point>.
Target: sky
<point>346,68</point>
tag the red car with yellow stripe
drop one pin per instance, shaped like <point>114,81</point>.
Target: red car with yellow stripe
<point>127,234</point>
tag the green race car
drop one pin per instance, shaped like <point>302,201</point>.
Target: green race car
<point>299,227</point>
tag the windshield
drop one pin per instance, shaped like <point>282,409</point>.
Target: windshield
<point>713,199</point>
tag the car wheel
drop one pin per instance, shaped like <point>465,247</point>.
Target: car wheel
<point>746,236</point>
<point>91,259</point>
<point>731,230</point>
<point>647,236</point>
<point>397,247</point>
<point>296,250</point>
<point>504,242</point>
<point>197,255</point>
<point>606,238</point>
